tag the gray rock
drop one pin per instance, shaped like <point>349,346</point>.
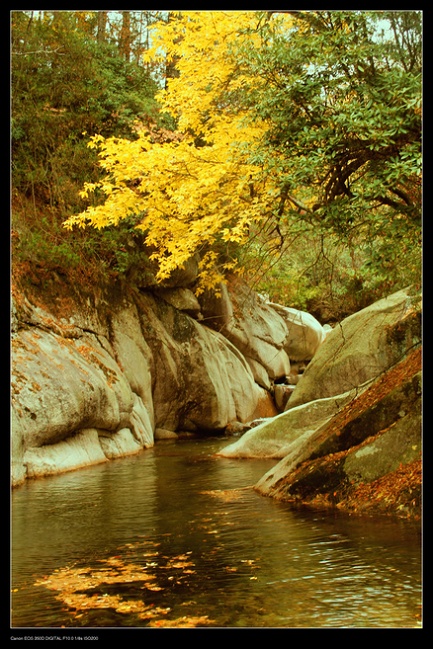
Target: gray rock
<point>76,452</point>
<point>361,347</point>
<point>305,334</point>
<point>275,437</point>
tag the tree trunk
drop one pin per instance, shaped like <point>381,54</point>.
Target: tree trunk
<point>102,26</point>
<point>125,36</point>
<point>171,71</point>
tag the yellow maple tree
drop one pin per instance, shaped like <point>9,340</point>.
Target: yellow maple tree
<point>196,191</point>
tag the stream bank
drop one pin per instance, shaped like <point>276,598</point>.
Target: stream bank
<point>102,374</point>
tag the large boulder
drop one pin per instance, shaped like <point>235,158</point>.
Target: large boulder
<point>200,380</point>
<point>60,386</point>
<point>361,347</point>
<point>258,332</point>
<point>88,387</point>
<point>365,458</point>
<point>305,334</point>
<point>275,437</point>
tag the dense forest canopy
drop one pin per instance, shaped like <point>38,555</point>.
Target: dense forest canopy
<point>285,145</point>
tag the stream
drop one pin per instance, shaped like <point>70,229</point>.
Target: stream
<point>176,537</point>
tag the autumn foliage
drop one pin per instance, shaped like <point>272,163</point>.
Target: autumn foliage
<point>193,190</point>
<point>283,126</point>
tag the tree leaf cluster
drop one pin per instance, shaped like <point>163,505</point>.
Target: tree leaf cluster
<point>65,84</point>
<point>343,113</point>
<point>269,131</point>
<point>282,118</point>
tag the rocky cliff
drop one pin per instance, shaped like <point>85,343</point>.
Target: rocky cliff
<point>101,374</point>
<point>350,437</point>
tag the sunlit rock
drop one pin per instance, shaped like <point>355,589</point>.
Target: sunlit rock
<point>141,423</point>
<point>275,437</point>
<point>258,331</point>
<point>361,347</point>
<point>62,385</point>
<point>120,444</point>
<point>78,451</point>
<point>305,334</point>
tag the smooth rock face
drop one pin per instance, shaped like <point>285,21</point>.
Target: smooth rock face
<point>141,423</point>
<point>258,331</point>
<point>305,334</point>
<point>78,451</point>
<point>361,347</point>
<point>135,366</point>
<point>120,444</point>
<point>275,437</point>
<point>64,385</point>
<point>200,380</point>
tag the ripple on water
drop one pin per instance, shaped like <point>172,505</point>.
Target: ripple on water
<point>217,552</point>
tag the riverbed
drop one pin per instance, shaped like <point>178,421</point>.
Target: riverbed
<point>177,537</point>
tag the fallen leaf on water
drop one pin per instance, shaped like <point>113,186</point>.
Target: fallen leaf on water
<point>226,494</point>
<point>183,622</point>
<point>71,581</point>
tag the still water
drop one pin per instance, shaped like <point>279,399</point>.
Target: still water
<point>174,537</point>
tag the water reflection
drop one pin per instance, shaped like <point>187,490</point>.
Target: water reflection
<point>252,561</point>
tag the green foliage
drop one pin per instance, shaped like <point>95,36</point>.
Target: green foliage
<point>315,122</point>
<point>340,92</point>
<point>344,115</point>
<point>66,86</point>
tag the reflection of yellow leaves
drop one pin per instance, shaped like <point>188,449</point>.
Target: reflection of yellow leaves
<point>183,622</point>
<point>70,582</point>
<point>226,494</point>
